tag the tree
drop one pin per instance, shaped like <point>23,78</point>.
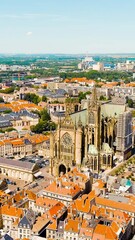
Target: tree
<point>32,97</point>
<point>44,99</point>
<point>102,98</point>
<point>8,90</point>
<point>7,111</point>
<point>1,99</point>
<point>43,126</point>
<point>44,123</point>
<point>82,95</point>
<point>44,115</point>
<point>130,103</point>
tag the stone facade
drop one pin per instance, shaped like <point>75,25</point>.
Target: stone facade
<point>85,138</point>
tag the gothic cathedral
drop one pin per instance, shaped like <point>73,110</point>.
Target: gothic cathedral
<point>78,140</point>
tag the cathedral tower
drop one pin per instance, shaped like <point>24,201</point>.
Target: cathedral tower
<point>93,133</point>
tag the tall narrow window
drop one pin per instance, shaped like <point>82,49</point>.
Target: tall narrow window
<point>56,150</point>
<point>104,159</point>
<point>95,163</point>
<point>91,118</point>
<point>109,160</point>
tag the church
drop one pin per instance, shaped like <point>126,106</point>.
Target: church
<point>86,138</point>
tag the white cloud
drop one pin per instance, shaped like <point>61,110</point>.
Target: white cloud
<point>29,33</point>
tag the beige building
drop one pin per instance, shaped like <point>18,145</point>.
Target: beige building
<point>21,147</point>
<point>18,170</point>
<point>15,148</point>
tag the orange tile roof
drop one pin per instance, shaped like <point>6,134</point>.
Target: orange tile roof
<point>45,202</point>
<point>11,211</point>
<point>98,184</point>
<point>72,226</point>
<point>65,188</point>
<point>53,225</point>
<point>37,138</point>
<point>78,176</point>
<point>104,232</point>
<point>83,204</point>
<point>31,195</point>
<point>55,210</point>
<point>80,80</point>
<point>17,142</point>
<point>86,230</point>
<point>18,105</point>
<point>116,205</point>
<point>39,224</point>
<point>131,84</point>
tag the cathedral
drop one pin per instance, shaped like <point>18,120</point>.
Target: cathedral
<point>85,138</point>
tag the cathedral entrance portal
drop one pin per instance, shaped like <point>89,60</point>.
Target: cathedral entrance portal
<point>62,169</point>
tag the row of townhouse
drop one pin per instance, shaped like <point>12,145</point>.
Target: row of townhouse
<point>22,147</point>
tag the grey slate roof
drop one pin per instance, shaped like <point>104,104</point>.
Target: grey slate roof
<point>5,120</point>
<point>28,220</point>
<point>24,223</point>
<point>107,110</point>
<point>6,237</point>
<point>80,115</point>
<point>5,123</point>
<point>112,110</point>
<point>16,164</point>
<point>60,91</point>
<point>58,114</point>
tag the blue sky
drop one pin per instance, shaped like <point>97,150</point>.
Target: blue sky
<point>67,26</point>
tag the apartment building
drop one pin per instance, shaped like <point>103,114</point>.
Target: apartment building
<point>9,215</point>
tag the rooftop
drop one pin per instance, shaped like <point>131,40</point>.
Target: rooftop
<point>16,164</point>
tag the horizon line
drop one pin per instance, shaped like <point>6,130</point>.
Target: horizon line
<point>40,53</point>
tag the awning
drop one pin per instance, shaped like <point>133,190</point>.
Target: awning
<point>37,174</point>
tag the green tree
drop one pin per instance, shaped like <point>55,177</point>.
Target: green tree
<point>102,98</point>
<point>8,90</point>
<point>130,103</point>
<point>44,99</point>
<point>7,111</point>
<point>1,99</point>
<point>44,115</point>
<point>82,95</point>
<point>32,97</point>
<point>44,124</point>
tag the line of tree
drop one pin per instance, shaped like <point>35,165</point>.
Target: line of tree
<point>93,74</point>
<point>8,90</point>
